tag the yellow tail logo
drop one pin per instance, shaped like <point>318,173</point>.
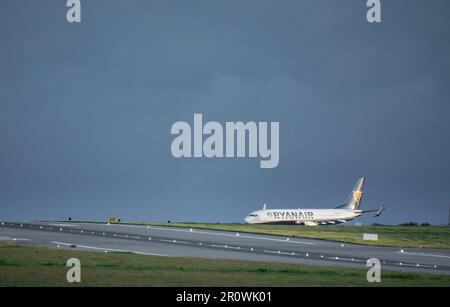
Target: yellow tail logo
<point>357,196</point>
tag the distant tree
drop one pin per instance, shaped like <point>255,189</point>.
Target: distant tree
<point>69,219</point>
<point>168,221</point>
<point>376,224</point>
<point>409,224</point>
<point>425,224</point>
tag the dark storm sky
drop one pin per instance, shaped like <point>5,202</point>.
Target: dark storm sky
<point>86,109</point>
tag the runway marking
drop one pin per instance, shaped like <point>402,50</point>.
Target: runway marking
<point>277,252</point>
<point>125,236</point>
<point>234,247</point>
<point>13,239</point>
<point>357,260</point>
<point>411,265</point>
<point>107,249</point>
<point>332,258</point>
<point>345,259</point>
<point>220,234</point>
<point>174,241</point>
<point>424,255</point>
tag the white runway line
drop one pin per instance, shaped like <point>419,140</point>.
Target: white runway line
<point>173,241</point>
<point>345,259</point>
<point>357,260</point>
<point>278,252</point>
<point>424,255</point>
<point>13,239</point>
<point>218,234</point>
<point>106,249</point>
<point>234,247</point>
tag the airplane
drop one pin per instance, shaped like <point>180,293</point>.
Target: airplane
<point>314,217</point>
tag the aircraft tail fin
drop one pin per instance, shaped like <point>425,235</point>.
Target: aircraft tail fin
<point>354,201</point>
<point>264,206</point>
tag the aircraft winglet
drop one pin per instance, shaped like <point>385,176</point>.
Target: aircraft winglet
<point>380,211</point>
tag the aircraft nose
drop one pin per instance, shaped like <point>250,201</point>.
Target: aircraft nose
<point>247,219</point>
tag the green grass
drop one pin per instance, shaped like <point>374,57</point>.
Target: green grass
<point>394,236</point>
<point>30,266</point>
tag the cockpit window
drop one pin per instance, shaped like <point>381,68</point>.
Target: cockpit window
<point>253,215</point>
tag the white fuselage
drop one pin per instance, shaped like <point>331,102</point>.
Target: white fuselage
<point>302,216</point>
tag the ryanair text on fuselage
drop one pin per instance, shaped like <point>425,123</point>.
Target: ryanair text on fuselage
<point>313,217</point>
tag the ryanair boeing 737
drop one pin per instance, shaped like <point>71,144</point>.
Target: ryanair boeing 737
<point>313,217</point>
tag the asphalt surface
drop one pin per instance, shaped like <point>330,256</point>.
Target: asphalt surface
<point>185,242</point>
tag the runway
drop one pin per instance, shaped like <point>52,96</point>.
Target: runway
<point>186,242</point>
